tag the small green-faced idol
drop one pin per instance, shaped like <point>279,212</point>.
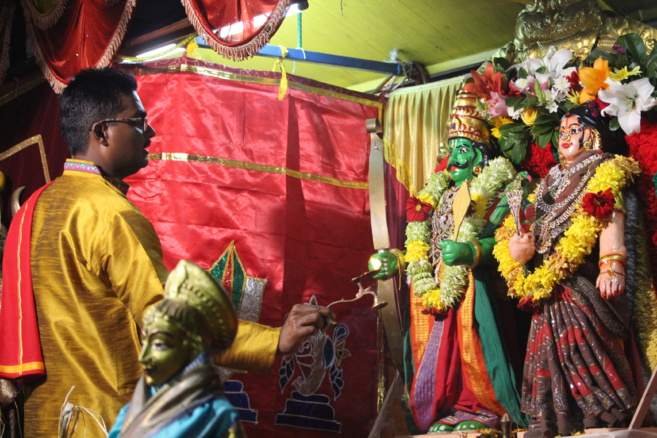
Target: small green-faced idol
<point>180,394</point>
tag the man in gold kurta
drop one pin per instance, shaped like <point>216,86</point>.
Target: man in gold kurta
<point>96,265</point>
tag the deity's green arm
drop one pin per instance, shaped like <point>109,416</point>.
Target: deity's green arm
<point>487,245</point>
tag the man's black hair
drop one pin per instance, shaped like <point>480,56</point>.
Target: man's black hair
<point>92,95</point>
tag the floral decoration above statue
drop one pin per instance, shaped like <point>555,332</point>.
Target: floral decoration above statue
<point>524,102</point>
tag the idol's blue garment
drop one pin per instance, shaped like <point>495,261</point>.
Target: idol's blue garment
<point>210,415</point>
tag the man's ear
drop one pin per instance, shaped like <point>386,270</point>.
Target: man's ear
<point>98,131</point>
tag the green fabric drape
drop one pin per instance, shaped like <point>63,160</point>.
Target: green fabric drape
<point>415,128</point>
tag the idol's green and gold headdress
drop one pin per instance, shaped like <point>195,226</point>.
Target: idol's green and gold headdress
<point>195,287</point>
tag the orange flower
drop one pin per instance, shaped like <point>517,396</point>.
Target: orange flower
<point>593,79</point>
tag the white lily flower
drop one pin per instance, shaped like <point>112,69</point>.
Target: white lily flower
<point>627,101</point>
<point>554,62</point>
<point>553,77</point>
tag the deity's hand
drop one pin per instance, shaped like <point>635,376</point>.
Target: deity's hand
<point>457,253</point>
<point>303,321</point>
<point>388,263</point>
<point>611,280</point>
<point>522,247</point>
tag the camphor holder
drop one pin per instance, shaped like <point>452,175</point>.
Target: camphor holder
<point>376,305</point>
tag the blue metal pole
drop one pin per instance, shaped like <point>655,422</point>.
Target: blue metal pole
<point>388,68</point>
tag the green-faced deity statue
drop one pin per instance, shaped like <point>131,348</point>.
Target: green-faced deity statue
<point>464,160</point>
<point>468,139</point>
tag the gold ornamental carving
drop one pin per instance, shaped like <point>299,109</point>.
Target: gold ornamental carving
<point>576,25</point>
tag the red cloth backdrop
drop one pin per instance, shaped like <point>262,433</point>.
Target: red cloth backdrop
<point>234,28</point>
<point>287,181</point>
<point>83,34</point>
<point>32,149</point>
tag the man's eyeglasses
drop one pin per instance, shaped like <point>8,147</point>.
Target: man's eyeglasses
<point>137,122</point>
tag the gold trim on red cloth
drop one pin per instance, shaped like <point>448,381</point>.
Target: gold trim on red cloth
<point>35,140</point>
<point>186,67</point>
<point>181,156</point>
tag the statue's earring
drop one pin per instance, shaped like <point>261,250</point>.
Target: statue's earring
<point>476,170</point>
<point>597,140</point>
<point>587,145</point>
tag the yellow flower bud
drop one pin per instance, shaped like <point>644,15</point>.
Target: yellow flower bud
<point>528,116</point>
<point>499,121</point>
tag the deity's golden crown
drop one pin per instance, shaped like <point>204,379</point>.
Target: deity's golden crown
<point>466,121</point>
<point>195,287</point>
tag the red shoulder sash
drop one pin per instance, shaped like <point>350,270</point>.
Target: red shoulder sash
<point>20,346</point>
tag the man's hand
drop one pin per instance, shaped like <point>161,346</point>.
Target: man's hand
<point>303,321</point>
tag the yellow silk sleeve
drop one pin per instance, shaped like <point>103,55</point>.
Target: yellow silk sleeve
<point>131,256</point>
<point>254,348</point>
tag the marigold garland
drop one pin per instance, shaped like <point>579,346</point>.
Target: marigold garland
<point>454,279</point>
<point>578,240</point>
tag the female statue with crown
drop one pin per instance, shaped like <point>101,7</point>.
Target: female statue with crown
<point>569,269</point>
<point>180,393</point>
<point>463,377</point>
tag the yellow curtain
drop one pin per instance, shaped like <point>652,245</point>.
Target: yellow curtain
<point>415,129</point>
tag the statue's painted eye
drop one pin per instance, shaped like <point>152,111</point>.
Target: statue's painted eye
<point>160,345</point>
